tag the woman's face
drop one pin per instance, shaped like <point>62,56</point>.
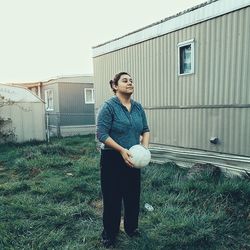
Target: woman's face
<point>125,85</point>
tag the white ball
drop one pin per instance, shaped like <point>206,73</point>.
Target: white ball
<point>140,156</point>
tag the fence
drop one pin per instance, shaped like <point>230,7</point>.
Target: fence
<point>68,124</point>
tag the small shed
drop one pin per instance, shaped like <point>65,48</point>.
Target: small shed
<point>25,112</point>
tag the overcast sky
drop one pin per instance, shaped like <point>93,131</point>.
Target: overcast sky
<point>42,39</point>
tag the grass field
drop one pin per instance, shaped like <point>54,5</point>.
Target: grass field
<point>50,199</point>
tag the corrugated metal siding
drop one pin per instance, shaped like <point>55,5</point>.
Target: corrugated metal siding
<point>73,110</point>
<point>27,120</point>
<point>192,128</point>
<point>221,78</point>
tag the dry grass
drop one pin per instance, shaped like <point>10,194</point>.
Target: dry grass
<point>50,198</point>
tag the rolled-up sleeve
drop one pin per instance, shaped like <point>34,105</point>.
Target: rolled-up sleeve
<point>144,122</point>
<point>104,122</point>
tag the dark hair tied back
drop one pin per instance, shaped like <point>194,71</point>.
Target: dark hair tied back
<point>111,85</point>
<point>116,79</point>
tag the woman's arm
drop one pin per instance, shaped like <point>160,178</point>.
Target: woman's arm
<point>123,151</point>
<point>145,139</point>
<point>145,131</point>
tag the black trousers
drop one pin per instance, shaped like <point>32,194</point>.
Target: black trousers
<point>119,183</point>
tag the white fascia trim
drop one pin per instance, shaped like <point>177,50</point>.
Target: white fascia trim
<point>201,14</point>
<point>185,42</point>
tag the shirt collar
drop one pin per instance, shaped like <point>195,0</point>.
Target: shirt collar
<point>117,100</point>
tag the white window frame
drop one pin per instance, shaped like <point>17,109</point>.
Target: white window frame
<point>92,94</point>
<point>179,46</point>
<point>48,105</point>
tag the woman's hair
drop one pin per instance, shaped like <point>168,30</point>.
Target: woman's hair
<point>116,79</point>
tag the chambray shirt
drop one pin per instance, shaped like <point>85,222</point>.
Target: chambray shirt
<point>124,127</point>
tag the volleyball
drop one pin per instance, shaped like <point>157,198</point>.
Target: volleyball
<point>140,156</point>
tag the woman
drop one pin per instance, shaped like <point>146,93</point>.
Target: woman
<point>121,123</point>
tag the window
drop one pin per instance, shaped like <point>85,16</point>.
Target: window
<point>186,57</point>
<point>89,96</point>
<point>49,100</point>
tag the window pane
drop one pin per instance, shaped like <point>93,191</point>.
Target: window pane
<point>185,59</point>
<point>88,95</point>
<point>49,99</point>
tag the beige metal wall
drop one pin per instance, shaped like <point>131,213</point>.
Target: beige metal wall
<point>186,111</point>
<point>27,120</point>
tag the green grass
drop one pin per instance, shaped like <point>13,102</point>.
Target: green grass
<point>50,198</point>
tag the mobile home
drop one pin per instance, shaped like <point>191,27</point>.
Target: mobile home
<point>69,103</point>
<point>191,74</point>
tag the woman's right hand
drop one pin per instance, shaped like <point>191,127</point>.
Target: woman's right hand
<point>126,155</point>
